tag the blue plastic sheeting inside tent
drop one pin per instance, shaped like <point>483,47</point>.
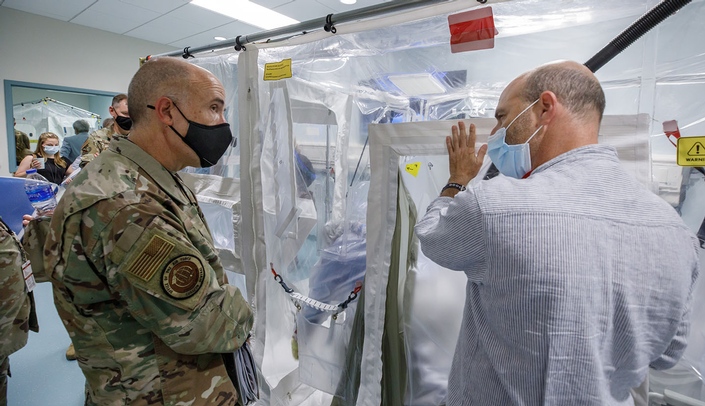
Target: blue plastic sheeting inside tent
<point>14,202</point>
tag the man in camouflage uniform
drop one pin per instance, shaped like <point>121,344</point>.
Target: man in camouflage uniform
<point>99,140</point>
<point>137,280</point>
<point>15,304</point>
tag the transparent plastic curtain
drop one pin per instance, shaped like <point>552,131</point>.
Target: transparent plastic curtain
<point>224,67</point>
<point>345,79</point>
<point>47,115</point>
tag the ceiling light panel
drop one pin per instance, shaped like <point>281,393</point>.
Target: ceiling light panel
<point>417,84</point>
<point>248,12</point>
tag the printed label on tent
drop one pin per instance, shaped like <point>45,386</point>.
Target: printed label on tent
<point>413,168</point>
<point>277,70</point>
<point>472,30</point>
<point>691,151</point>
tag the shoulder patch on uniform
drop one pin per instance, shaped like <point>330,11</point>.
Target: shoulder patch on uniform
<point>183,277</point>
<point>147,262</point>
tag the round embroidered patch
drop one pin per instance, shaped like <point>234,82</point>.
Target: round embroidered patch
<point>183,277</point>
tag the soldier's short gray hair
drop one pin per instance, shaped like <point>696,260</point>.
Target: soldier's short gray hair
<point>156,78</point>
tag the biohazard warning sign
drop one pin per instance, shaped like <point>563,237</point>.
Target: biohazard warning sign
<point>691,151</point>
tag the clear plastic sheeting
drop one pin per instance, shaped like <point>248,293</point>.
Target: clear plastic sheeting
<point>49,115</point>
<point>224,67</point>
<point>219,199</point>
<point>340,85</point>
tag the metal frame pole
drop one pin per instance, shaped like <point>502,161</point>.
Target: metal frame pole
<point>297,29</point>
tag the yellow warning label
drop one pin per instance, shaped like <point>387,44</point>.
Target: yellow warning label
<point>413,168</point>
<point>691,151</point>
<point>277,70</point>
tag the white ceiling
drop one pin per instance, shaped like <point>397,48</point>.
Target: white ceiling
<point>172,22</point>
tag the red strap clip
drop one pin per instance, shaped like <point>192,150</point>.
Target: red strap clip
<point>672,132</point>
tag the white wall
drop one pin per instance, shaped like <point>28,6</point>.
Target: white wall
<point>43,50</point>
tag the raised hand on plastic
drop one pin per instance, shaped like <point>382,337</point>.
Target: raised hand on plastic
<point>464,161</point>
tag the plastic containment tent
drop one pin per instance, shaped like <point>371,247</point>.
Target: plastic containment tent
<point>336,157</point>
<point>49,115</point>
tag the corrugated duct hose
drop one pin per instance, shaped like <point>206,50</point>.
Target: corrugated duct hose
<point>648,21</point>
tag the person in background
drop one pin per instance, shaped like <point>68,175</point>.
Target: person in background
<point>137,280</point>
<point>99,140</point>
<point>71,146</point>
<point>108,122</point>
<point>55,168</point>
<point>578,277</point>
<point>22,144</point>
<point>17,315</point>
<point>305,173</point>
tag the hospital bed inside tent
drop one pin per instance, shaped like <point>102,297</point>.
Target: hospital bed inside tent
<point>49,115</point>
<point>339,150</point>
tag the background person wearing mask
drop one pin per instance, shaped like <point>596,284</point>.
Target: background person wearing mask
<point>137,279</point>
<point>579,278</point>
<point>71,146</point>
<point>54,169</point>
<point>99,140</point>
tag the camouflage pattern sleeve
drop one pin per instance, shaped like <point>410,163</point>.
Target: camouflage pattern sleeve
<point>90,149</point>
<point>168,274</point>
<point>14,300</point>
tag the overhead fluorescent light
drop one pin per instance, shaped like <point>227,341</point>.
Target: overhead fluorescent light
<point>247,12</point>
<point>417,84</point>
<point>348,1</point>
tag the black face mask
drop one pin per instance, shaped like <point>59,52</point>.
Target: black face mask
<point>124,122</point>
<point>209,142</point>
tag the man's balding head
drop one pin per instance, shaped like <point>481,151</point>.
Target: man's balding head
<point>159,77</point>
<point>574,85</point>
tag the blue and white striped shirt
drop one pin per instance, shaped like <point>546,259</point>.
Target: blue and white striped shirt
<point>579,278</point>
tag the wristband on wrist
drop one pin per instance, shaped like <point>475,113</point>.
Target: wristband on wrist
<point>452,185</point>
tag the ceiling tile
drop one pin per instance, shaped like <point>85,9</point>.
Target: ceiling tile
<point>61,10</point>
<point>340,7</point>
<point>272,3</point>
<point>181,23</point>
<point>304,10</point>
<point>115,16</point>
<point>159,6</point>
<point>228,31</point>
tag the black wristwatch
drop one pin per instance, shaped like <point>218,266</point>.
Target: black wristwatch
<point>452,185</point>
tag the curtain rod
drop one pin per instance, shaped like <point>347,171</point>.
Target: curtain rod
<point>327,23</point>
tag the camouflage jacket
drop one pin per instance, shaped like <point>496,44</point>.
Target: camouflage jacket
<point>139,286</point>
<point>97,142</point>
<point>14,298</point>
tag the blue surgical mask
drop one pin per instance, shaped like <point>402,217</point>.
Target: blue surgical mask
<point>511,160</point>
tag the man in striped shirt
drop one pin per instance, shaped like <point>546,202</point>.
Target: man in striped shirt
<point>579,278</point>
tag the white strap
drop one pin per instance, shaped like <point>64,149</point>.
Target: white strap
<point>313,303</point>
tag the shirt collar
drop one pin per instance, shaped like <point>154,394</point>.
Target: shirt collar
<point>592,150</point>
<point>165,179</point>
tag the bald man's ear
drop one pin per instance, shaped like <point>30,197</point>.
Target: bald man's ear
<point>164,110</point>
<point>548,102</point>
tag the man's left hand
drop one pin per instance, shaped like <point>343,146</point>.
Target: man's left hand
<point>464,162</point>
